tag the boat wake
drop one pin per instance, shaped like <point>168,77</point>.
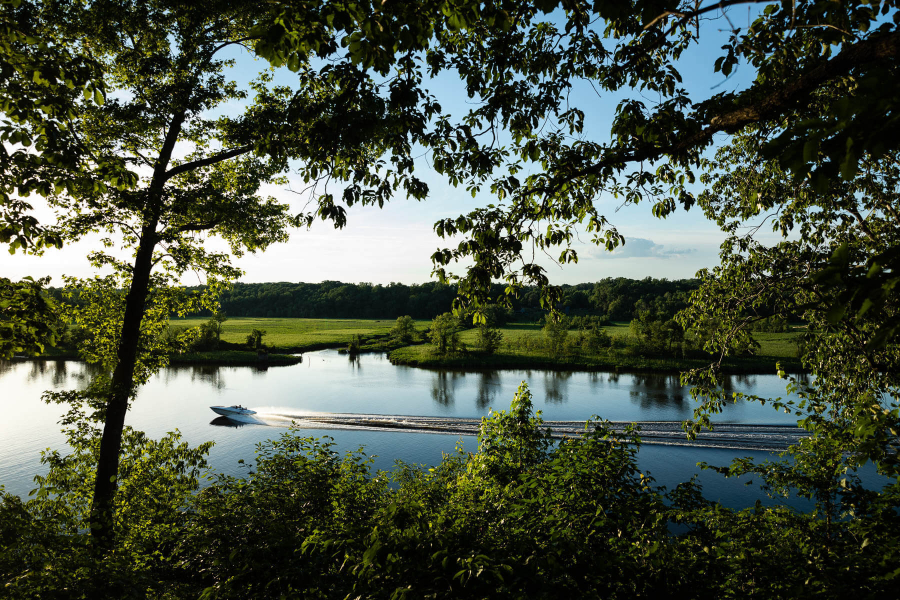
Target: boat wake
<point>725,435</point>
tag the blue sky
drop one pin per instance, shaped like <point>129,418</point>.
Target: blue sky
<point>395,243</point>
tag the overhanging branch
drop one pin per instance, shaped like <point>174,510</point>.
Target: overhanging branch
<point>773,104</point>
<point>684,17</point>
<point>204,226</point>
<point>205,162</point>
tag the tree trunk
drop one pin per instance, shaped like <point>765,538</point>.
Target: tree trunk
<point>121,390</point>
<point>122,383</point>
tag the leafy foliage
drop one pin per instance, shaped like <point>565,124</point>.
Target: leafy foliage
<point>404,330</point>
<point>42,84</point>
<point>817,68</point>
<point>254,340</point>
<point>444,334</point>
<point>45,549</point>
<point>489,339</point>
<point>839,257</point>
<point>526,515</point>
<point>29,319</point>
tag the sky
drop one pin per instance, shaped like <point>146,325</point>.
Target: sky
<point>395,243</point>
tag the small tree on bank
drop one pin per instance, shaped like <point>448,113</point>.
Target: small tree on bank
<point>555,333</point>
<point>404,330</point>
<point>355,344</point>
<point>254,340</point>
<point>489,339</point>
<point>444,334</point>
<point>210,334</point>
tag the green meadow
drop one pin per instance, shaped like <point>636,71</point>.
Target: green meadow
<point>519,348</point>
<point>300,335</point>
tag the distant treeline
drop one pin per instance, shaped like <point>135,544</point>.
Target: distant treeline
<point>617,299</point>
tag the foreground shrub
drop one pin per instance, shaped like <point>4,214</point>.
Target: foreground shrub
<point>527,515</point>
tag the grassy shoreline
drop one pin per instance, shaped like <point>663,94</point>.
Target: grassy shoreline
<point>285,337</point>
<point>235,358</point>
<point>514,354</point>
<point>424,357</point>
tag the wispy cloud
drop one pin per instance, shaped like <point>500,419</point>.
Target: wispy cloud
<point>644,248</point>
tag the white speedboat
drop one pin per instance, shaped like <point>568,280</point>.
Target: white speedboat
<point>232,411</point>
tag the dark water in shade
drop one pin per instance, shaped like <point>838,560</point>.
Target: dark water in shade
<point>328,382</point>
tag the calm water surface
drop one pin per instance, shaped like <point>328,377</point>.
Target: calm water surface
<point>326,381</point>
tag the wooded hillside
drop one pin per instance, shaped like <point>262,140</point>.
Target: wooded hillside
<point>619,299</point>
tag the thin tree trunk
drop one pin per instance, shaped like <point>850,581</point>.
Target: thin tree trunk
<point>122,383</point>
<point>121,389</point>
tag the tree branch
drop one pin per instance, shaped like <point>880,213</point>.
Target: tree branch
<point>862,223</point>
<point>853,56</point>
<point>770,105</point>
<point>205,162</point>
<point>684,17</point>
<point>198,226</point>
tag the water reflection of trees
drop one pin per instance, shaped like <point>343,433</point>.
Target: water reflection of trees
<point>657,389</point>
<point>6,366</point>
<point>353,359</point>
<point>443,387</point>
<point>556,386</point>
<point>209,374</point>
<point>488,386</point>
<point>742,381</point>
<point>40,369</point>
<point>60,373</point>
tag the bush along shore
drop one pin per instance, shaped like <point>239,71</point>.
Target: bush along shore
<point>235,358</point>
<point>524,516</point>
<point>590,345</point>
<point>427,357</point>
<point>570,343</point>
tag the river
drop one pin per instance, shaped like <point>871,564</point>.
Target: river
<point>349,398</point>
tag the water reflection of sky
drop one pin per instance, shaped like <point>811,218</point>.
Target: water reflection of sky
<point>179,397</point>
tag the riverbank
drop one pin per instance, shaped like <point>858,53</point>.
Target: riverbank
<point>234,358</point>
<point>520,348</point>
<point>424,356</point>
<point>291,336</point>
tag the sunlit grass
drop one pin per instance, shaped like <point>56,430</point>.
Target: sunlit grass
<point>778,345</point>
<point>298,333</point>
<point>310,334</point>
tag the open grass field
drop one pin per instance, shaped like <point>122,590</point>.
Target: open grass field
<point>299,335</point>
<point>515,333</point>
<point>775,345</point>
<point>778,345</point>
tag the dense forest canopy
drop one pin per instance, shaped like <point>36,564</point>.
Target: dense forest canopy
<point>619,299</point>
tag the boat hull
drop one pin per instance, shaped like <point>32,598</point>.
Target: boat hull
<point>232,411</point>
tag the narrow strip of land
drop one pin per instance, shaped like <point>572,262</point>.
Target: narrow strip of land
<point>522,346</point>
